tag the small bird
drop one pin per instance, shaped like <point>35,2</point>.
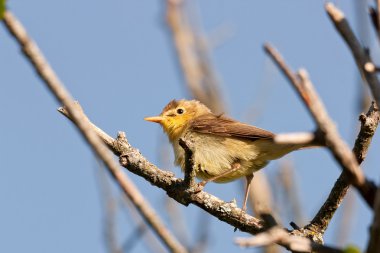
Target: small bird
<point>224,149</point>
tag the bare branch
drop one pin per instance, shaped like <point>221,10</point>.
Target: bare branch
<point>51,80</point>
<point>141,229</point>
<point>368,127</point>
<point>184,41</point>
<point>326,127</point>
<point>369,123</point>
<point>260,197</point>
<point>192,51</point>
<point>291,242</point>
<point>178,221</point>
<point>362,58</point>
<point>334,142</point>
<point>202,236</point>
<point>110,210</point>
<point>373,16</point>
<point>291,193</point>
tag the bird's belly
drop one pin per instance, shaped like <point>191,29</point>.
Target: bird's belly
<point>217,155</point>
<point>245,168</point>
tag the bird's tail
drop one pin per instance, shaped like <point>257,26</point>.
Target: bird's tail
<point>272,151</point>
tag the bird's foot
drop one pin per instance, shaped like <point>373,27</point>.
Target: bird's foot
<point>194,188</point>
<point>197,187</point>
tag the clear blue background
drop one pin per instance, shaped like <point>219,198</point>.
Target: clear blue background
<point>117,59</point>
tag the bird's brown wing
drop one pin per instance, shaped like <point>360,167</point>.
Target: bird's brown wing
<point>222,126</point>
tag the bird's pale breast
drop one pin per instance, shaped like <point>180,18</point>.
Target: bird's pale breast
<point>214,155</point>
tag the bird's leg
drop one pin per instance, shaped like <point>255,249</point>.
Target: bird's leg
<point>234,167</point>
<point>249,181</point>
<point>248,184</point>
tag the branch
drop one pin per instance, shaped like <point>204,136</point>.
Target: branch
<point>203,236</point>
<point>193,57</point>
<point>368,127</point>
<point>47,74</point>
<point>374,18</point>
<point>290,242</point>
<point>109,201</point>
<point>326,127</point>
<point>260,197</point>
<point>362,58</point>
<point>369,123</point>
<point>141,229</point>
<point>289,187</point>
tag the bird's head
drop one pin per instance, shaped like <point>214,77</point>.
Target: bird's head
<point>176,116</point>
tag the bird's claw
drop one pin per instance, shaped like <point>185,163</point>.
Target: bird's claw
<point>196,188</point>
<point>202,184</point>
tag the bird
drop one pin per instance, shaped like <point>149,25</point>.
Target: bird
<point>224,149</point>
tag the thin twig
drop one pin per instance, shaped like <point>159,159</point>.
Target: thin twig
<point>362,58</point>
<point>57,88</point>
<point>334,142</point>
<point>361,16</point>
<point>373,15</point>
<point>291,193</point>
<point>193,56</point>
<point>183,41</point>
<point>136,235</point>
<point>178,221</point>
<point>260,197</point>
<point>110,210</point>
<point>202,235</point>
<point>326,127</point>
<point>152,242</point>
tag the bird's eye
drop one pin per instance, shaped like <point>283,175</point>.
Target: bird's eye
<point>180,111</point>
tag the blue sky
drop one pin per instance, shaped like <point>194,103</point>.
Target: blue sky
<point>118,60</point>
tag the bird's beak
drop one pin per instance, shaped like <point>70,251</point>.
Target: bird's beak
<point>155,119</point>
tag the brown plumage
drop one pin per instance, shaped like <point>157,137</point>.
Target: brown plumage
<point>222,126</point>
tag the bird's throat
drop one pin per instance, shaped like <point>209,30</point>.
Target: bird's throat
<point>174,132</point>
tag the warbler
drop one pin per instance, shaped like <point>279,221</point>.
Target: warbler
<point>224,149</point>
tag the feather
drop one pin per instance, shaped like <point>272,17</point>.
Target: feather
<point>223,126</point>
